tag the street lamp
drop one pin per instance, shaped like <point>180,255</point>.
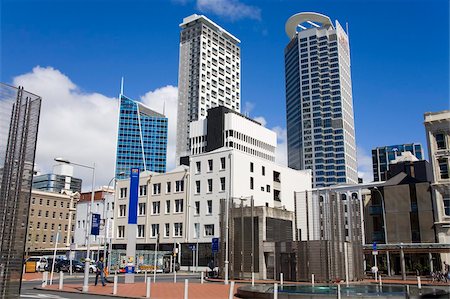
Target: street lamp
<point>88,222</point>
<point>383,210</point>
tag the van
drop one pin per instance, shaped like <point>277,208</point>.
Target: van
<point>41,262</point>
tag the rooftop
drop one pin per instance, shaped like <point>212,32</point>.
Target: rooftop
<point>208,22</point>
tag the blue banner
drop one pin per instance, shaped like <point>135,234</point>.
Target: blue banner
<point>215,245</point>
<point>95,227</point>
<point>133,203</point>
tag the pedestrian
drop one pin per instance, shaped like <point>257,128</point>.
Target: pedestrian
<point>100,268</point>
<point>446,270</point>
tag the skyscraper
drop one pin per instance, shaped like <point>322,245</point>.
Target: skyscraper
<point>60,179</point>
<point>383,155</point>
<point>19,119</point>
<point>209,74</point>
<point>142,138</point>
<point>319,105</point>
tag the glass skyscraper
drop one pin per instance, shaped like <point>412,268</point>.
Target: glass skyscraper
<point>383,155</point>
<point>319,104</point>
<point>142,138</point>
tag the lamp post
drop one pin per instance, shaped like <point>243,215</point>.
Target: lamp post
<point>88,222</point>
<point>383,210</point>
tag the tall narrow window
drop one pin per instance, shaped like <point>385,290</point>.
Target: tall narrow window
<point>440,141</point>
<point>178,205</point>
<point>197,208</point>
<point>168,187</point>
<point>222,163</point>
<point>210,165</point>
<point>210,185</point>
<point>197,187</point>
<point>143,190</point>
<point>155,230</point>
<point>222,184</point>
<point>251,183</point>
<point>141,231</point>
<point>178,229</point>
<point>167,206</point>
<point>209,203</point>
<point>156,208</point>
<point>123,192</point>
<point>141,208</point>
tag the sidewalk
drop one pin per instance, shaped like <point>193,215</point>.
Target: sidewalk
<point>159,290</point>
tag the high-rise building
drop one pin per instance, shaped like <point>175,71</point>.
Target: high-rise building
<point>382,156</point>
<point>142,138</point>
<point>209,74</point>
<point>60,179</point>
<point>319,105</point>
<point>19,119</point>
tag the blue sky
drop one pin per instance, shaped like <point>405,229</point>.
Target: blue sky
<point>399,52</point>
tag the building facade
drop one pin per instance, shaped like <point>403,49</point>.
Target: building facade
<point>319,104</point>
<point>49,214</point>
<point>142,138</point>
<point>437,126</point>
<point>209,74</point>
<point>19,120</point>
<point>382,156</point>
<point>60,179</point>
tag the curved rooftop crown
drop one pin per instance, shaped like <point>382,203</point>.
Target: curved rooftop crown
<point>312,18</point>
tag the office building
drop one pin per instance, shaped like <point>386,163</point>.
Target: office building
<point>319,104</point>
<point>19,119</point>
<point>437,126</point>
<point>224,127</point>
<point>382,156</point>
<point>209,74</point>
<point>60,179</point>
<point>142,138</point>
<point>49,214</point>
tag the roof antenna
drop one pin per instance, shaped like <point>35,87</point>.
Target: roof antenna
<point>121,86</point>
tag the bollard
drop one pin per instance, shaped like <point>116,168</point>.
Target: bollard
<point>407,289</point>
<point>379,280</point>
<point>312,279</point>
<point>175,277</point>
<point>61,280</point>
<point>115,285</point>
<point>253,279</point>
<point>231,294</point>
<point>275,291</point>
<point>148,280</point>
<point>339,291</point>
<point>281,278</point>
<point>145,275</point>
<point>186,290</point>
<point>419,283</point>
<point>44,279</point>
<point>202,277</point>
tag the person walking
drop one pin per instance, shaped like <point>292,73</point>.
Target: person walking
<point>100,272</point>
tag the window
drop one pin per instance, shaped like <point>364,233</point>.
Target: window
<point>210,165</point>
<point>53,226</point>
<point>54,203</point>
<point>443,167</point>
<point>48,202</point>
<point>123,192</point>
<point>142,208</point>
<point>251,183</point>
<point>263,170</point>
<point>122,210</point>
<point>157,188</point>
<point>276,176</point>
<point>156,207</point>
<point>121,232</point>
<point>178,206</point>
<point>54,215</point>
<point>276,195</point>
<point>440,141</point>
<point>167,206</point>
<point>196,230</point>
<point>141,231</point>
<point>209,203</point>
<point>210,185</point>
<point>197,208</point>
<point>198,167</point>
<point>197,187</point>
<point>179,186</point>
<point>46,214</point>
<point>222,163</point>
<point>209,230</point>
<point>40,201</point>
<point>44,238</point>
<point>251,166</point>
<point>167,230</point>
<point>222,184</point>
<point>143,190</point>
<point>268,188</point>
<point>178,229</point>
<point>168,187</point>
<point>155,230</point>
<point>39,224</point>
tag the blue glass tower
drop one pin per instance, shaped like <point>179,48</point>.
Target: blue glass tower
<point>142,138</point>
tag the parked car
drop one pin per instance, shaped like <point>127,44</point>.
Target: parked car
<point>64,266</point>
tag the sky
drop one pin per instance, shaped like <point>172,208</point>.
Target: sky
<point>74,53</point>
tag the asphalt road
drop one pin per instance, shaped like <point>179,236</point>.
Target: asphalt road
<point>28,291</point>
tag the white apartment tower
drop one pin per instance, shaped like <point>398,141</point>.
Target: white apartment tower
<point>319,104</point>
<point>209,74</point>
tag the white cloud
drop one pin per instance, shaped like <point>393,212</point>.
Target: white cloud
<point>261,120</point>
<point>365,170</point>
<point>231,9</point>
<point>166,96</point>
<point>281,151</point>
<point>80,126</point>
<point>248,108</point>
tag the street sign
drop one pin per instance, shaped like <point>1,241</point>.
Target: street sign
<point>374,252</point>
<point>192,247</point>
<point>215,245</point>
<point>374,246</point>
<point>95,227</point>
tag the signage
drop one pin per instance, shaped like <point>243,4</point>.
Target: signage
<point>374,252</point>
<point>192,247</point>
<point>95,227</point>
<point>215,245</point>
<point>110,228</point>
<point>374,246</point>
<point>134,189</point>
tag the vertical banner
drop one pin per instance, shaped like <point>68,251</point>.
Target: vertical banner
<point>95,227</point>
<point>134,189</point>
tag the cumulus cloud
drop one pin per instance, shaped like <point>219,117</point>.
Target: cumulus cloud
<point>261,120</point>
<point>365,170</point>
<point>81,126</point>
<point>230,9</point>
<point>281,152</point>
